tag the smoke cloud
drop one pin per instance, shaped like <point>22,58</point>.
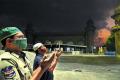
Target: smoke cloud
<point>57,15</point>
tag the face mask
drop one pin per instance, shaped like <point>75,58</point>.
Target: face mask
<point>21,43</point>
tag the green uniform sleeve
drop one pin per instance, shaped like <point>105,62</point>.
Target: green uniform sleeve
<point>8,71</point>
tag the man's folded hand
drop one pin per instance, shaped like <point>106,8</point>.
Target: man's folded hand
<point>46,61</point>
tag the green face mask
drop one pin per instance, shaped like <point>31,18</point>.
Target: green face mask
<point>21,43</point>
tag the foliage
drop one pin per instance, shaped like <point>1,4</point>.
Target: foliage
<point>110,44</point>
<point>115,28</point>
<point>116,16</point>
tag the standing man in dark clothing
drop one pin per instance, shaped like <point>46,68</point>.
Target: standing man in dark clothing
<point>40,51</point>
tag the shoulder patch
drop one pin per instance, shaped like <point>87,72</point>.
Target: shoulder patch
<point>8,72</point>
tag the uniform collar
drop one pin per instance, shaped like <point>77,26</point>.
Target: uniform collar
<point>19,55</point>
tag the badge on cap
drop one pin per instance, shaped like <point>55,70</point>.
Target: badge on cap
<point>8,72</point>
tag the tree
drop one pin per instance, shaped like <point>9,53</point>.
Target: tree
<point>110,44</point>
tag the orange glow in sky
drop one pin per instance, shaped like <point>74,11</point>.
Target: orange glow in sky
<point>102,36</point>
<point>104,33</point>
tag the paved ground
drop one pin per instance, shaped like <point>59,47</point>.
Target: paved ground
<point>77,71</point>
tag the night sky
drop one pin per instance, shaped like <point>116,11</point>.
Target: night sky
<point>67,16</point>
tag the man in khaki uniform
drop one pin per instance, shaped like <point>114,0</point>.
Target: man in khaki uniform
<point>14,65</point>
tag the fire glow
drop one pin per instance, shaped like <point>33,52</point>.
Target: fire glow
<point>102,36</point>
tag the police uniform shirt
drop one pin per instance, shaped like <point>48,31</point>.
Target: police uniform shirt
<point>12,67</point>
